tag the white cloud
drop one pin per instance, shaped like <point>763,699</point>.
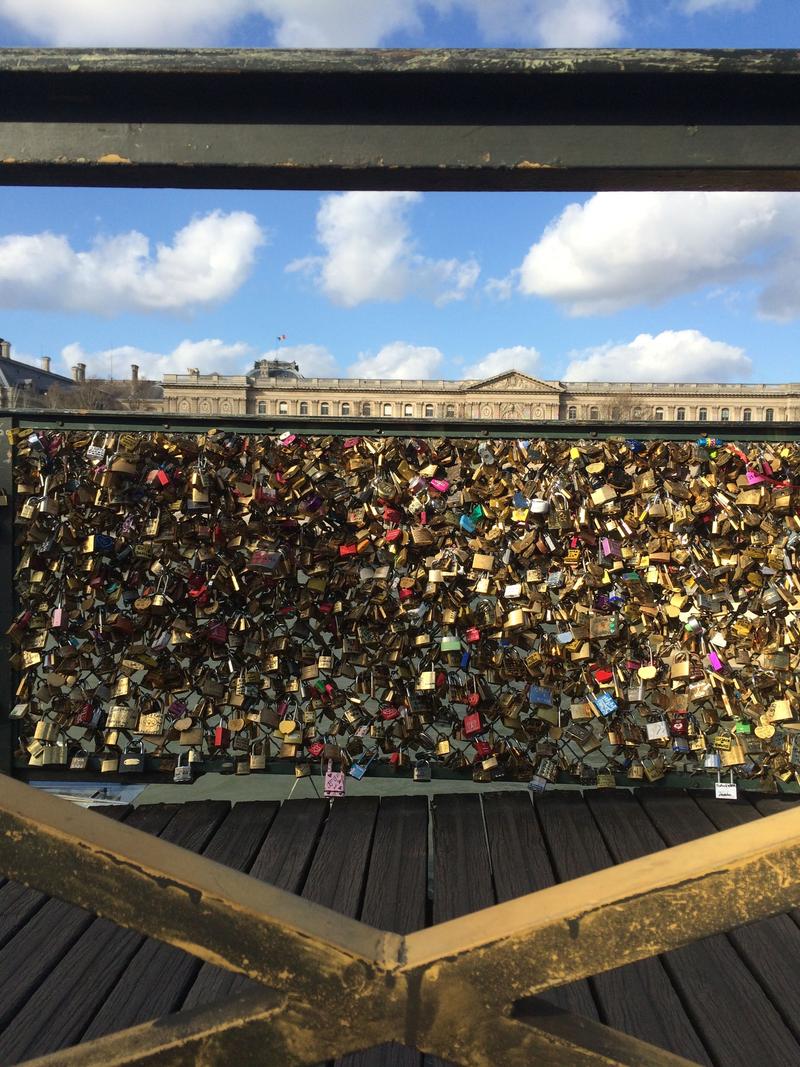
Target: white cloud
<point>518,357</point>
<point>398,359</point>
<point>209,259</point>
<point>700,7</point>
<point>552,23</point>
<point>315,361</point>
<point>307,23</point>
<point>670,356</point>
<point>621,249</point>
<point>370,253</point>
<point>207,356</point>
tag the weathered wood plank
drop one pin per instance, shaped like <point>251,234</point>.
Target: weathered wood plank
<point>638,999</point>
<point>521,864</point>
<point>282,861</point>
<point>339,868</point>
<point>157,979</point>
<point>62,963</point>
<point>769,947</point>
<point>395,897</point>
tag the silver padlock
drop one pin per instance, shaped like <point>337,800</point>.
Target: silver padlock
<point>421,771</point>
<point>183,774</point>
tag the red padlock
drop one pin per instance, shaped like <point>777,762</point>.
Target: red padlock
<point>603,674</point>
<point>316,748</point>
<point>472,725</point>
<point>680,727</point>
<point>389,713</point>
<point>348,550</point>
<point>483,749</point>
<point>222,736</point>
<point>472,634</point>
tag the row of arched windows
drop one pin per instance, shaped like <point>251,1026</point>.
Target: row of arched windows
<point>680,414</point>
<point>366,409</point>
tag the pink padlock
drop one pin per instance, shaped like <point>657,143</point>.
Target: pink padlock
<point>715,661</point>
<point>441,485</point>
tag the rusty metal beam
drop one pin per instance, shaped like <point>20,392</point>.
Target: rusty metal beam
<point>205,908</point>
<point>446,119</point>
<point>546,1036</point>
<point>264,1029</point>
<point>615,916</point>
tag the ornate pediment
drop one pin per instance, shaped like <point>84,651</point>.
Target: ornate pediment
<point>512,380</point>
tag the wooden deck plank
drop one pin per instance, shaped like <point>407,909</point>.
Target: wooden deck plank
<point>462,879</point>
<point>521,864</point>
<point>769,947</point>
<point>638,999</point>
<point>78,986</point>
<point>395,897</point>
<point>61,944</point>
<point>283,860</point>
<point>339,868</point>
<point>744,1027</point>
<point>158,976</point>
<point>157,979</point>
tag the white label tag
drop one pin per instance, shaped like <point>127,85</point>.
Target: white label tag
<point>725,791</point>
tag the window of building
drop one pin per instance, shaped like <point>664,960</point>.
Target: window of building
<point>725,414</point>
<point>680,414</point>
<point>408,410</point>
<point>702,414</point>
<point>747,415</point>
<point>429,411</point>
<point>366,409</point>
<point>449,411</point>
<point>262,407</point>
<point>658,414</point>
<point>769,414</point>
<point>324,409</point>
<point>303,407</point>
<point>283,408</point>
<point>387,409</point>
<point>594,413</point>
<point>572,413</point>
<point>345,409</point>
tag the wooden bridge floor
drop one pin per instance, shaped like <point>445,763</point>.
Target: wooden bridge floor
<point>67,977</point>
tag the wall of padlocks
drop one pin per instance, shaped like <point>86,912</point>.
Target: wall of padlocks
<point>519,609</point>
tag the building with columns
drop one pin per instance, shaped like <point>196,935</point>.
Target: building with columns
<point>273,387</point>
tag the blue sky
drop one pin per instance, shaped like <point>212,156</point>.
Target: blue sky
<point>610,286</point>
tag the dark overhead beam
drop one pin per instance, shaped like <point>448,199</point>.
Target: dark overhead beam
<point>463,119</point>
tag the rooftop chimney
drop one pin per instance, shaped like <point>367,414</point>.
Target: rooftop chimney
<point>46,363</point>
<point>79,372</point>
<point>5,349</point>
<point>134,374</point>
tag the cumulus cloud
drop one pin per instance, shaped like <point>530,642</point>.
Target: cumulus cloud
<point>398,359</point>
<point>621,249</point>
<point>518,357</point>
<point>552,23</point>
<point>370,254</point>
<point>208,260</point>
<point>670,356</point>
<point>207,356</point>
<point>309,23</point>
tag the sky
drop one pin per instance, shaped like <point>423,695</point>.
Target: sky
<point>586,287</point>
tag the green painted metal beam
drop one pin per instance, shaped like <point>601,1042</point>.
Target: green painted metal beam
<point>441,119</point>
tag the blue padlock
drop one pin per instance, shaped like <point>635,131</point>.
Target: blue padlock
<point>358,770</point>
<point>466,524</point>
<point>605,703</point>
<point>464,661</point>
<point>540,694</point>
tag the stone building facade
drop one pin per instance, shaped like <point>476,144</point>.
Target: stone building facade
<point>276,388</point>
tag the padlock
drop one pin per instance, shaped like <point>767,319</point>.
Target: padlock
<point>183,774</point>
<point>334,781</point>
<point>133,759</point>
